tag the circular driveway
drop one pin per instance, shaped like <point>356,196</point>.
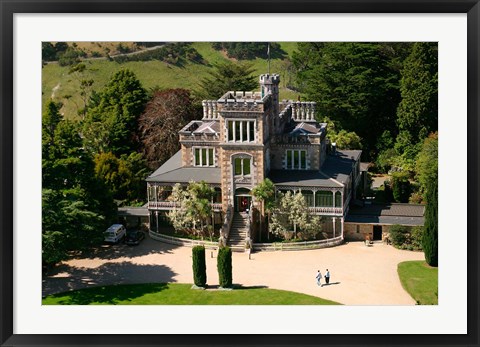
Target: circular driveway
<point>360,275</point>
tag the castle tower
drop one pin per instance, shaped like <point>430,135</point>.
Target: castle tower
<point>269,84</point>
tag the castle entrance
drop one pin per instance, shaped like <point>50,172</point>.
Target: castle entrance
<point>243,199</point>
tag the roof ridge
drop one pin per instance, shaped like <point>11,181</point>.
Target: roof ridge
<point>330,178</point>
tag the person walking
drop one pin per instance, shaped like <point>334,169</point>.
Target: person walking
<point>319,278</point>
<point>327,277</point>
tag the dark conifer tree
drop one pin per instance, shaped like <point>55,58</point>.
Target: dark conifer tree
<point>430,236</point>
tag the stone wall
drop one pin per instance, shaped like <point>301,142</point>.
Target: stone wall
<point>278,155</point>
<point>256,172</point>
<point>357,232</point>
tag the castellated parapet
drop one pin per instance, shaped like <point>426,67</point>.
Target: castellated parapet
<point>270,79</point>
<point>303,111</point>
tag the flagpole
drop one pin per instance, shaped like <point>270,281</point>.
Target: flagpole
<point>268,53</point>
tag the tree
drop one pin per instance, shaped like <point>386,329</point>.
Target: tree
<point>50,119</point>
<point>427,162</point>
<point>111,121</point>
<point>355,84</point>
<point>199,266</point>
<point>292,211</point>
<point>346,140</point>
<point>124,176</point>
<point>430,235</point>
<point>158,126</point>
<point>227,76</point>
<point>48,51</point>
<point>401,186</point>
<point>76,206</point>
<point>417,113</point>
<point>85,86</point>
<point>194,207</point>
<point>69,57</point>
<point>265,193</point>
<point>248,50</point>
<point>224,267</point>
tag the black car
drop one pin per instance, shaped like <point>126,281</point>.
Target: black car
<point>134,237</point>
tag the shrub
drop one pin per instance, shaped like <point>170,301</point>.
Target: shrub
<point>199,266</point>
<point>224,267</point>
<point>398,235</point>
<point>408,238</point>
<point>416,236</point>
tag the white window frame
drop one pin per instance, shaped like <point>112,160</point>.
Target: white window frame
<point>207,148</point>
<point>292,167</point>
<point>242,166</point>
<point>237,138</point>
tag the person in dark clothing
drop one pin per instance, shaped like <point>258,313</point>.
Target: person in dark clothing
<point>327,277</point>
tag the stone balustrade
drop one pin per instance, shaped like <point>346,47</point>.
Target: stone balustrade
<point>303,111</point>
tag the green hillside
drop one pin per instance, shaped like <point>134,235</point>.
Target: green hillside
<point>58,84</point>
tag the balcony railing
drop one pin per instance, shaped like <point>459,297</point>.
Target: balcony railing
<point>326,210</point>
<point>170,205</point>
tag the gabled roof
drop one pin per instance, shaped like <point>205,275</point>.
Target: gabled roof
<point>212,127</point>
<point>173,172</point>
<point>305,128</point>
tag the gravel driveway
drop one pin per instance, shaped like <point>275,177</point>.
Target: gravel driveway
<point>360,275</point>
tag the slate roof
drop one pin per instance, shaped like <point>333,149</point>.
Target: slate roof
<point>339,166</point>
<point>334,173</point>
<point>212,127</point>
<point>404,214</point>
<point>302,178</point>
<point>173,172</point>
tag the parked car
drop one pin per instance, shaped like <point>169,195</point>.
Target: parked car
<point>115,233</point>
<point>134,237</point>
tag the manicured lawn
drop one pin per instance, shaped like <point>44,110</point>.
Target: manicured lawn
<point>180,294</point>
<point>420,281</point>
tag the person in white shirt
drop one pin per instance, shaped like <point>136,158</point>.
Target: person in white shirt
<point>327,277</point>
<point>319,277</point>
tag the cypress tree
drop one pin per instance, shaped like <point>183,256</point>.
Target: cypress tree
<point>199,266</point>
<point>224,267</point>
<point>430,235</point>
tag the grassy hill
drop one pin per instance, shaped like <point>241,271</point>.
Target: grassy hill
<point>61,86</point>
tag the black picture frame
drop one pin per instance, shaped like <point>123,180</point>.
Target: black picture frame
<point>9,7</point>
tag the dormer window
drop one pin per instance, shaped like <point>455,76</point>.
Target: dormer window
<point>203,156</point>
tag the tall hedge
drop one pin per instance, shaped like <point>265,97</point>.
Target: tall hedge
<point>199,266</point>
<point>224,267</point>
<point>430,234</point>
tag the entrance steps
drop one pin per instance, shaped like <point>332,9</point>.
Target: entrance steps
<point>238,232</point>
